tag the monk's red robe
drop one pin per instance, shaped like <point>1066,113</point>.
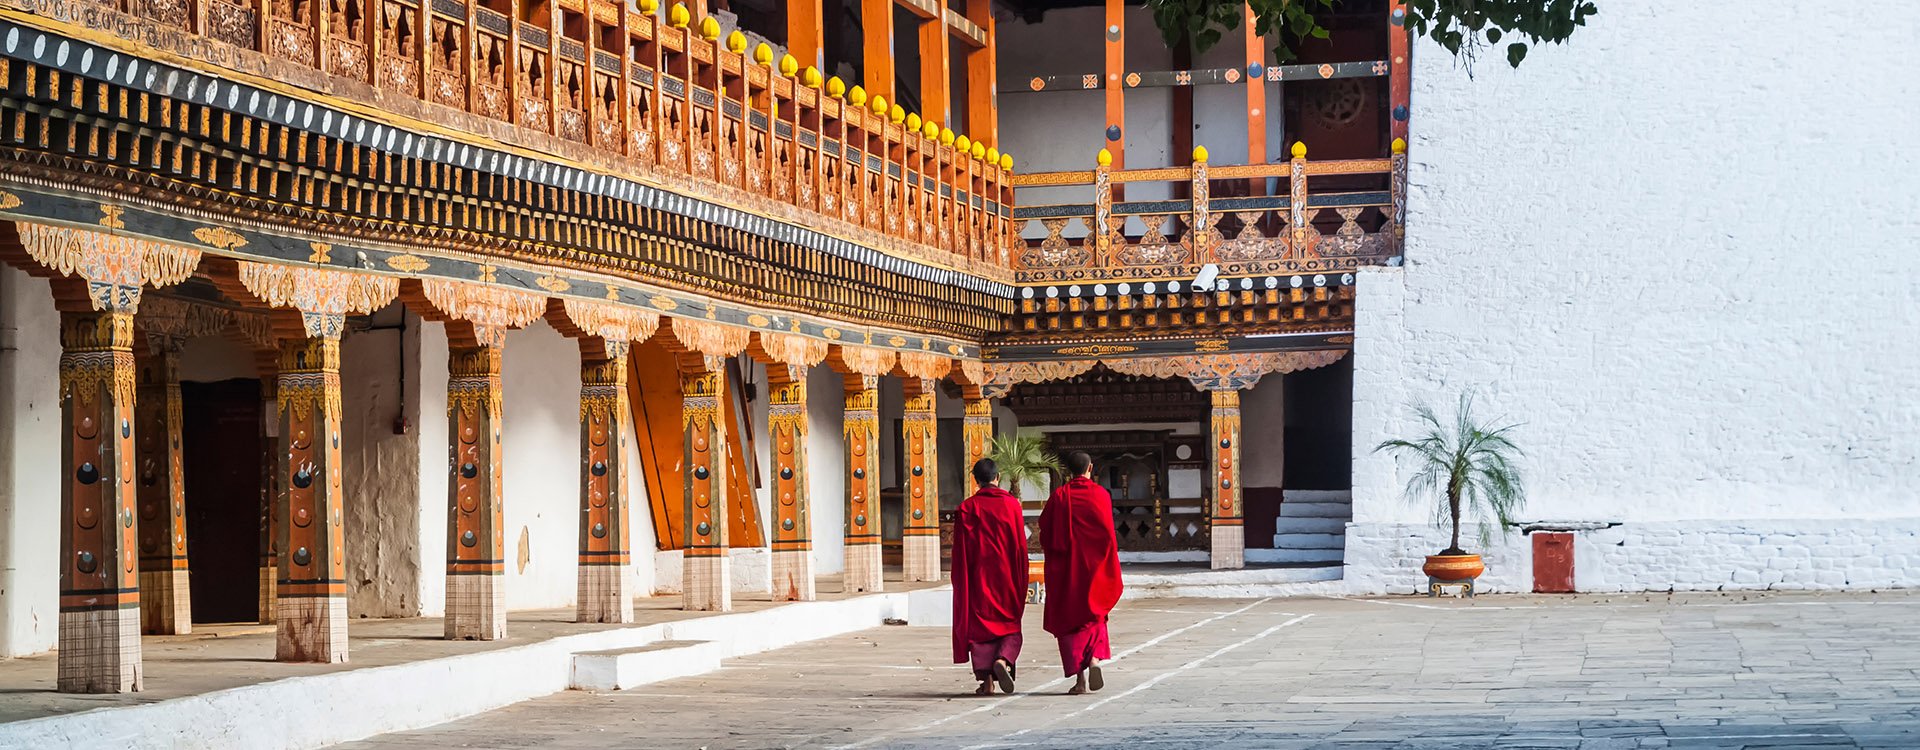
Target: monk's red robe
<point>1083,570</point>
<point>989,577</point>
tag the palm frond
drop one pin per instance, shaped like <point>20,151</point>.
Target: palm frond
<point>1465,461</point>
<point>1022,459</point>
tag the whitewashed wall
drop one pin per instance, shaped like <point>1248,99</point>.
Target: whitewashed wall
<point>30,437</point>
<point>826,469</point>
<point>1686,262</point>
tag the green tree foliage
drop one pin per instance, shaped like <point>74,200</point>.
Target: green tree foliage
<point>1463,27</point>
<point>1023,459</point>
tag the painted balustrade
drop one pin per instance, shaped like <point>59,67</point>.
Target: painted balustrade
<point>1279,220</point>
<point>680,103</point>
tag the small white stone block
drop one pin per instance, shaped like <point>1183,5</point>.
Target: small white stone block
<point>623,668</point>
<point>930,607</point>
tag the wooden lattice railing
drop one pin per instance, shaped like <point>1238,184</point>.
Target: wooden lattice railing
<point>676,102</point>
<point>1286,219</point>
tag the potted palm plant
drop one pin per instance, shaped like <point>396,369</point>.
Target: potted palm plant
<point>1022,459</point>
<point>1468,466</point>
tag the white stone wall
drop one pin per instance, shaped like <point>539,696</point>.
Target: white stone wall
<point>1685,262</point>
<point>826,469</point>
<point>30,437</point>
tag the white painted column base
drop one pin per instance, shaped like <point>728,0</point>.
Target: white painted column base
<point>166,602</point>
<point>100,651</point>
<point>793,576</point>
<point>1229,547</point>
<point>920,555</point>
<point>476,606</point>
<point>864,571</point>
<point>312,629</point>
<point>707,583</point>
<point>603,595</point>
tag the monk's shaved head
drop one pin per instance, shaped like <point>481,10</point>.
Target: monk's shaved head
<point>1078,462</point>
<point>985,471</point>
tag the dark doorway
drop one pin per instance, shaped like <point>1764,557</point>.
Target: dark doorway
<point>220,429</point>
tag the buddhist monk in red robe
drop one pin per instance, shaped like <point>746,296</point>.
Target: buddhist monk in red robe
<point>989,581</point>
<point>1083,572</point>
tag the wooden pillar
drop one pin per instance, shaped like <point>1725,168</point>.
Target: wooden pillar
<point>160,490</point>
<point>792,533</point>
<point>1115,86</point>
<point>706,581</point>
<point>806,35</point>
<point>920,438</point>
<point>1229,535</point>
<point>1256,98</point>
<point>271,489</point>
<point>1399,76</point>
<point>977,426</point>
<point>99,591</point>
<point>476,543</point>
<point>311,594</point>
<point>604,594</point>
<point>936,82</point>
<point>862,430</point>
<point>876,21</point>
<point>983,114</point>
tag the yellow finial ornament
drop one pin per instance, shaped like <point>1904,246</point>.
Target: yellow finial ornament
<point>978,152</point>
<point>811,79</point>
<point>913,121</point>
<point>709,28</point>
<point>1105,158</point>
<point>1399,145</point>
<point>857,96</point>
<point>1006,162</point>
<point>993,155</point>
<point>737,42</point>
<point>678,17</point>
<point>788,65</point>
<point>649,6</point>
<point>878,105</point>
<point>1199,154</point>
<point>763,54</point>
<point>962,143</point>
<point>930,129</point>
<point>836,88</point>
<point>1299,149</point>
<point>946,136</point>
<point>898,114</point>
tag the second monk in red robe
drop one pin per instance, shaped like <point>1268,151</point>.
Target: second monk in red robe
<point>1083,572</point>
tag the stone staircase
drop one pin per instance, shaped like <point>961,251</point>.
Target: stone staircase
<point>1312,528</point>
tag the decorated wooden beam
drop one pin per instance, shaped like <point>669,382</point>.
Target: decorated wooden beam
<point>1254,72</point>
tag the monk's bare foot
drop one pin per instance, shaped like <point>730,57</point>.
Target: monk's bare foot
<point>1079,685</point>
<point>1095,680</point>
<point>1003,674</point>
<point>986,688</point>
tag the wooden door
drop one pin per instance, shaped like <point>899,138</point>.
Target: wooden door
<point>221,452</point>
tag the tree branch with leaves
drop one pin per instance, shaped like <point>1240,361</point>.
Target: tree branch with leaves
<point>1463,27</point>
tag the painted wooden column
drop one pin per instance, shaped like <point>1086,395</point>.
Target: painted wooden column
<point>1115,88</point>
<point>706,580</point>
<point>476,543</point>
<point>920,438</point>
<point>311,593</point>
<point>983,99</point>
<point>936,81</point>
<point>977,426</point>
<point>99,588</point>
<point>876,43</point>
<point>806,34</point>
<point>1229,535</point>
<point>792,531</point>
<point>861,427</point>
<point>160,489</point>
<point>604,593</point>
<point>1256,49</point>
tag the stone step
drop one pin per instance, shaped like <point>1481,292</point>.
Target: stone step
<point>1343,497</point>
<point>1285,525</point>
<point>1291,509</point>
<point>1310,541</point>
<point>1329,557</point>
<point>622,668</point>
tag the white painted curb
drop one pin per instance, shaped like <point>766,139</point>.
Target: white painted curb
<point>320,710</point>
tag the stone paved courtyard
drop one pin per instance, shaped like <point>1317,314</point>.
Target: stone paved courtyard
<point>1733,670</point>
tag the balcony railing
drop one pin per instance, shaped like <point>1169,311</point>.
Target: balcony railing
<point>667,98</point>
<point>1300,217</point>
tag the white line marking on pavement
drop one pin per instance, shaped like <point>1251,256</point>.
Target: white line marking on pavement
<point>1051,683</point>
<point>1159,677</point>
<point>1616,605</point>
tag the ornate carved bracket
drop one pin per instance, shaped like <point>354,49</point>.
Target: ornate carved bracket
<point>861,360</point>
<point>324,297</point>
<point>114,266</point>
<point>1208,372</point>
<point>791,349</point>
<point>617,326</point>
<point>491,310</point>
<point>926,366</point>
